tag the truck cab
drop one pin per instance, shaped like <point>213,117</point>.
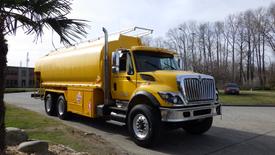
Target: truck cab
<point>152,91</point>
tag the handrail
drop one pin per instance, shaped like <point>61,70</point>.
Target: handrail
<point>146,31</point>
<point>127,31</point>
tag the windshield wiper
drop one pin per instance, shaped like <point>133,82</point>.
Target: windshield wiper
<point>157,67</point>
<point>172,68</point>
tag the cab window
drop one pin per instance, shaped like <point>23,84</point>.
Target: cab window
<point>122,62</point>
<point>125,63</point>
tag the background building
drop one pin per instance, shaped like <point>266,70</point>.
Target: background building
<point>19,77</point>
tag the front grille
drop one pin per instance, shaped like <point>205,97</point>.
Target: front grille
<point>199,89</point>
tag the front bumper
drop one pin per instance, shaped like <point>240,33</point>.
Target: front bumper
<point>189,113</point>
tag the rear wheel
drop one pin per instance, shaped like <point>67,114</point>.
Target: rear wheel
<point>62,108</point>
<point>198,126</point>
<point>144,125</point>
<point>49,103</point>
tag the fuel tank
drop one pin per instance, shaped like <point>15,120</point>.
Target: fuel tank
<point>81,63</point>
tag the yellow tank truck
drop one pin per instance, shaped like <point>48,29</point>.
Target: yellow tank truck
<point>118,78</point>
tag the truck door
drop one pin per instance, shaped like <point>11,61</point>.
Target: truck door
<point>124,81</point>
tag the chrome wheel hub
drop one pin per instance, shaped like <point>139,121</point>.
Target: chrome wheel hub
<point>48,105</point>
<point>140,126</point>
<point>61,107</point>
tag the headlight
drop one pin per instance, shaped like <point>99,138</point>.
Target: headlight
<point>171,97</point>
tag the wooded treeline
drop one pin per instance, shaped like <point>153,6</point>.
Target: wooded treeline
<point>239,49</point>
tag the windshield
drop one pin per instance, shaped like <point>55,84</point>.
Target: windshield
<point>150,61</point>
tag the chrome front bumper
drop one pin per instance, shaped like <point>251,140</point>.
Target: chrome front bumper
<point>189,113</point>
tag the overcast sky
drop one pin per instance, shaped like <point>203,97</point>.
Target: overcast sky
<point>115,15</point>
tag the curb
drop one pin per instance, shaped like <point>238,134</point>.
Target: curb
<point>243,105</point>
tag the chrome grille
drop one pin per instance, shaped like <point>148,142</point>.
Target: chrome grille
<point>199,89</point>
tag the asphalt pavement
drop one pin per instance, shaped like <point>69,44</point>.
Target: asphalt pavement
<point>241,130</point>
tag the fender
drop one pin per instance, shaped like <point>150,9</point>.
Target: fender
<point>141,95</point>
<point>47,91</point>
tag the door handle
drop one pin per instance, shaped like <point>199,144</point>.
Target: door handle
<point>128,78</point>
<point>115,87</point>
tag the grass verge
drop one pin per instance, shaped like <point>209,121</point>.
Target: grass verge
<point>44,128</point>
<point>255,98</point>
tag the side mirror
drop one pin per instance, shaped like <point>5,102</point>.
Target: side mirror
<point>130,72</point>
<point>115,61</point>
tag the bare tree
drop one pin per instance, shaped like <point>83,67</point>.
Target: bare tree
<point>232,28</point>
<point>183,43</point>
<point>192,26</point>
<point>232,50</point>
<point>218,28</point>
<point>241,45</point>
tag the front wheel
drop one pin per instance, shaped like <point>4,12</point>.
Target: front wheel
<point>198,126</point>
<point>62,108</point>
<point>144,125</point>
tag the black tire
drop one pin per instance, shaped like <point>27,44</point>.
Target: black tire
<point>198,126</point>
<point>61,107</point>
<point>153,124</point>
<point>49,104</point>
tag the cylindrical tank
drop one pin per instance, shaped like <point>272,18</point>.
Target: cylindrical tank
<point>80,64</point>
<point>76,65</point>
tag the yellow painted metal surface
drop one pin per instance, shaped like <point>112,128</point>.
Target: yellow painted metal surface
<point>152,49</point>
<point>75,100</point>
<point>97,99</point>
<point>165,81</point>
<point>55,91</point>
<point>79,72</point>
<point>124,87</point>
<point>83,101</point>
<point>81,64</point>
<point>88,104</point>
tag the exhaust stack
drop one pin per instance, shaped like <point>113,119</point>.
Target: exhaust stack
<point>106,85</point>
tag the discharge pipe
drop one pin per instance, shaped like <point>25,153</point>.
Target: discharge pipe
<point>106,84</point>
